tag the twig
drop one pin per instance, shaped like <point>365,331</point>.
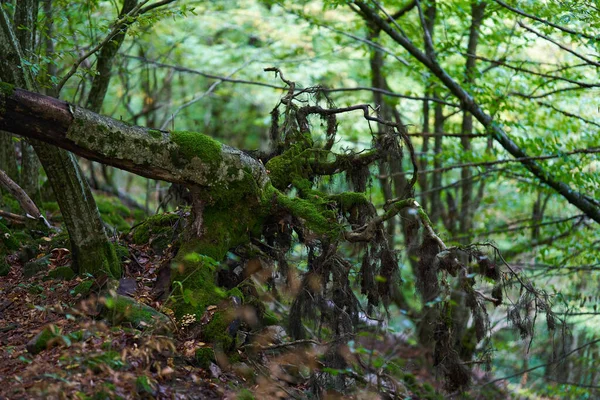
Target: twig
<point>17,219</point>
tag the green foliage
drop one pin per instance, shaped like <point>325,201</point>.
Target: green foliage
<point>145,385</point>
<point>111,359</point>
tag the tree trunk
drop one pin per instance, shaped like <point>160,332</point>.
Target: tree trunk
<point>92,252</point>
<point>26,18</point>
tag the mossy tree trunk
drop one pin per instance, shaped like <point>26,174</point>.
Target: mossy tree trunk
<point>91,250</point>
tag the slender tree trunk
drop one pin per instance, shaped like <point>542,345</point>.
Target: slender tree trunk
<point>26,17</point>
<point>466,204</point>
<point>92,252</point>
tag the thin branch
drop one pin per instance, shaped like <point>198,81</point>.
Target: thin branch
<point>513,160</point>
<point>14,218</point>
<point>546,22</point>
<point>24,200</point>
<point>503,63</point>
<point>269,85</point>
<point>200,97</point>
<point>568,114</point>
<point>469,104</point>
<point>563,47</point>
<point>542,365</point>
<point>529,226</point>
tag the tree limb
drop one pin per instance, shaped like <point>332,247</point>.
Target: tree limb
<point>469,104</point>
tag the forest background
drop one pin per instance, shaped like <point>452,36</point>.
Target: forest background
<point>472,125</point>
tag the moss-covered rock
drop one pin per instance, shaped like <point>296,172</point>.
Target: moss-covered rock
<point>28,252</point>
<point>83,288</point>
<point>193,283</point>
<point>125,310</point>
<point>7,240</point>
<point>64,273</point>
<point>204,356</point>
<point>46,338</point>
<point>33,267</point>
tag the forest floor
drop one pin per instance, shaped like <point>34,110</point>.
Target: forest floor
<point>88,358</point>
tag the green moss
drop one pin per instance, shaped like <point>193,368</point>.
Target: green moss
<point>349,200</point>
<point>4,266</point>
<point>293,164</point>
<point>204,356</point>
<point>193,144</point>
<point>317,217</point>
<point>193,282</point>
<point>216,331</point>
<point>11,205</point>
<point>409,379</point>
<point>50,206</point>
<point>121,251</point>
<point>122,309</point>
<point>7,240</point>
<point>61,273</point>
<point>145,385</point>
<point>155,134</point>
<point>157,225</point>
<point>113,212</point>
<point>83,288</point>
<point>6,89</point>
<point>98,258</point>
<point>269,318</point>
<point>245,394</point>
<point>44,339</point>
<point>235,292</point>
<point>60,240</point>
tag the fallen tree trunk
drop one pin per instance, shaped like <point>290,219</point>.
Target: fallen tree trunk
<point>231,191</point>
<point>179,157</point>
